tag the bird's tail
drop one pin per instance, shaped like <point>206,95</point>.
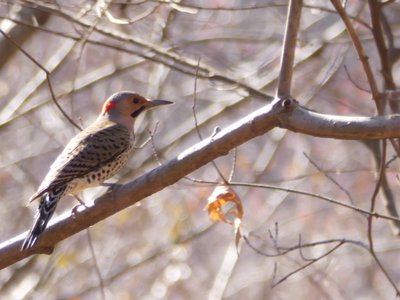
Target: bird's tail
<point>47,206</point>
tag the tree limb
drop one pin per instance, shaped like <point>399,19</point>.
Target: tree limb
<point>289,48</point>
<point>286,113</point>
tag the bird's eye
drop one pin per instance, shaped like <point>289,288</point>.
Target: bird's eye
<point>136,100</point>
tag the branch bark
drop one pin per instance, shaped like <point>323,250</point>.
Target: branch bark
<point>289,48</point>
<point>286,113</point>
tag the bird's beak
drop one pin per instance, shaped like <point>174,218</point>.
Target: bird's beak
<point>153,103</point>
<point>149,105</point>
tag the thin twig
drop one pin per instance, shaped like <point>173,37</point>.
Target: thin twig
<point>91,248</point>
<point>196,123</point>
<point>96,265</point>
<point>233,165</point>
<point>153,146</point>
<point>157,54</point>
<point>281,251</point>
<point>361,54</point>
<point>370,219</point>
<point>84,37</point>
<point>330,178</point>
<point>195,101</point>
<point>307,265</point>
<point>388,196</point>
<point>305,193</point>
<point>354,82</point>
<point>47,78</point>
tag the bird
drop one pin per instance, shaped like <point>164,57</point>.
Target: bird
<point>94,155</point>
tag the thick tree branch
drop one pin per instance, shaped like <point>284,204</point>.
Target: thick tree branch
<point>281,113</point>
<point>338,127</point>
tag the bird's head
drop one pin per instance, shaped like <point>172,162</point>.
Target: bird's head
<point>124,107</point>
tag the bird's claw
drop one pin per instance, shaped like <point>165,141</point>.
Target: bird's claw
<point>112,188</point>
<point>74,210</point>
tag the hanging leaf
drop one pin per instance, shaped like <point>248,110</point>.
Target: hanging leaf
<point>224,205</point>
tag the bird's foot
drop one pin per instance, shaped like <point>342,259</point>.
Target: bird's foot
<point>112,188</point>
<point>74,210</point>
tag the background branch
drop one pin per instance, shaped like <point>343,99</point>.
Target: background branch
<point>289,48</point>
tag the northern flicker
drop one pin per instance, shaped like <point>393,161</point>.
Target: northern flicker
<point>92,156</point>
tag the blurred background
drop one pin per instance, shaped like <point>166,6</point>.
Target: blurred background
<point>166,247</point>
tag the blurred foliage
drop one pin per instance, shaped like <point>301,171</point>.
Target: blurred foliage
<point>166,247</point>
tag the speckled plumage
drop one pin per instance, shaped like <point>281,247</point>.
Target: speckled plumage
<point>94,155</point>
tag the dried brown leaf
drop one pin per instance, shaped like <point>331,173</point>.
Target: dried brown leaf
<point>224,205</point>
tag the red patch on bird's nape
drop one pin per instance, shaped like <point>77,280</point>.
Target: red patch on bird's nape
<point>107,106</point>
